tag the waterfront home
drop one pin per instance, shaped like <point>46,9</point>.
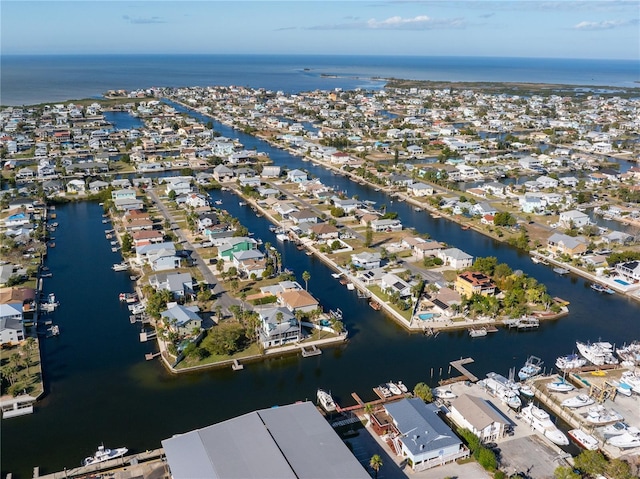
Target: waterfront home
<point>426,248</point>
<point>630,271</point>
<point>183,320</point>
<point>23,204</point>
<point>126,194</point>
<point>559,243</point>
<point>131,215</point>
<point>303,216</point>
<point>419,189</point>
<point>228,246</point>
<point>11,326</point>
<point>249,181</point>
<point>270,171</point>
<point>18,219</point>
<point>76,186</point>
<point>148,253</point>
<point>469,283</point>
<point>371,276</point>
<point>483,208</point>
<point>617,237</point>
<point>97,186</point>
<point>391,283</point>
<point>348,205</point>
<point>223,173</point>
<point>284,209</point>
<point>366,260</point>
<point>180,285</point>
<point>532,203</point>
<point>323,231</point>
<point>297,176</point>
<point>530,163</point>
<point>386,225</point>
<point>266,192</point>
<point>446,301</point>
<point>455,258</point>
<point>145,237</point>
<point>574,219</point>
<point>239,257</point>
<point>124,204</point>
<point>421,436</point>
<point>480,417</point>
<point>178,185</point>
<point>138,224</point>
<point>196,200</point>
<point>291,441</point>
<point>399,180</point>
<point>206,220</point>
<point>278,326</point>
<point>366,218</point>
<point>298,300</point>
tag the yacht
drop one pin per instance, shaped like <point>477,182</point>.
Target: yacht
<point>631,379</point>
<point>571,361</point>
<point>614,429</point>
<point>629,355</point>
<point>527,390</point>
<point>600,415</point>
<point>402,387</point>
<point>560,386</point>
<point>394,389</point>
<point>597,353</point>
<point>104,454</point>
<point>444,393</point>
<point>540,420</point>
<point>120,266</point>
<point>531,368</point>
<point>628,439</point>
<point>583,439</point>
<point>504,389</point>
<point>578,401</point>
<point>326,401</point>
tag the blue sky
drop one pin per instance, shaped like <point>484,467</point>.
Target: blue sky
<point>518,28</point>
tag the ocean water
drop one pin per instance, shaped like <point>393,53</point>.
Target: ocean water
<point>27,80</point>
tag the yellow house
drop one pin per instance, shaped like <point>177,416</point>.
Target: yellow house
<point>473,282</point>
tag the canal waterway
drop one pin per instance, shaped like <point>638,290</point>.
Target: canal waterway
<point>99,388</point>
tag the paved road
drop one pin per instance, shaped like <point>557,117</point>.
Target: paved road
<point>223,298</point>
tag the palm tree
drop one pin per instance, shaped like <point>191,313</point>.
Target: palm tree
<point>306,276</point>
<point>375,463</point>
<point>28,347</point>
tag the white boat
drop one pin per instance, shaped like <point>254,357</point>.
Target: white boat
<point>600,415</point>
<point>560,271</point>
<point>622,388</point>
<point>630,353</point>
<point>218,202</point>
<point>503,389</point>
<point>582,439</point>
<point>526,390</point>
<point>560,386</point>
<point>120,267</point>
<point>326,401</point>
<point>242,203</point>
<point>531,368</point>
<point>350,286</point>
<point>540,420</point>
<point>571,361</point>
<point>628,439</point>
<point>384,390</point>
<point>614,429</point>
<point>282,237</point>
<point>394,389</point>
<point>477,332</point>
<point>104,454</point>
<point>631,379</point>
<point>444,393</point>
<point>402,387</point>
<point>597,353</point>
<point>578,401</point>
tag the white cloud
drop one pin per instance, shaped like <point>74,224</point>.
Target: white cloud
<point>605,24</point>
<point>419,22</point>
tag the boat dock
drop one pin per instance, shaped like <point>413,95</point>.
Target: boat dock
<point>308,351</point>
<point>147,336</point>
<point>150,356</point>
<point>459,365</point>
<point>236,366</point>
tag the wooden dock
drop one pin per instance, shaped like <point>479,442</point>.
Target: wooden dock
<point>459,365</point>
<point>150,356</point>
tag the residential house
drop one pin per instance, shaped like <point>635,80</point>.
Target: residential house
<point>206,220</point>
<point>387,225</point>
<point>181,186</point>
<point>76,186</point>
<point>97,186</point>
<point>420,189</point>
<point>469,283</point>
<point>183,320</point>
<point>228,246</point>
<point>11,326</point>
<point>126,194</point>
<point>630,271</point>
<point>270,171</point>
<point>480,417</point>
<point>421,436</point>
<point>196,200</point>
<point>284,209</point>
<point>298,300</point>
<point>348,205</point>
<point>297,176</point>
<point>547,182</point>
<point>223,173</point>
<point>145,237</point>
<point>152,253</point>
<point>532,203</point>
<point>446,301</point>
<point>390,283</point>
<point>574,219</point>
<point>303,216</point>
<point>483,208</point>
<point>324,231</point>
<point>559,243</point>
<point>366,260</point>
<point>426,248</point>
<point>278,326</point>
<point>455,258</point>
<point>180,285</point>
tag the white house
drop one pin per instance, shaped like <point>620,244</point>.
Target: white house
<point>574,218</point>
<point>393,284</point>
<point>480,417</point>
<point>11,326</point>
<point>420,189</point>
<point>297,176</point>
<point>366,260</point>
<point>455,258</point>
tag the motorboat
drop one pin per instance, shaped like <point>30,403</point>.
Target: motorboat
<point>600,415</point>
<point>601,289</point>
<point>560,386</point>
<point>540,420</point>
<point>384,390</point>
<point>628,439</point>
<point>531,368</point>
<point>477,332</point>
<point>104,454</point>
<point>571,361</point>
<point>598,353</point>
<point>120,266</point>
<point>526,390</point>
<point>326,401</point>
<point>503,388</point>
<point>444,393</point>
<point>632,379</point>
<point>394,389</point>
<point>614,429</point>
<point>622,388</point>
<point>630,354</point>
<point>561,271</point>
<point>402,387</point>
<point>580,400</point>
<point>584,440</point>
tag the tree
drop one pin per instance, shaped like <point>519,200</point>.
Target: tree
<point>306,276</point>
<point>368,235</point>
<point>423,391</point>
<point>591,462</point>
<point>563,472</point>
<point>28,347</point>
<point>619,469</point>
<point>172,195</point>
<point>375,463</point>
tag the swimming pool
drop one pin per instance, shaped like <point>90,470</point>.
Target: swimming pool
<point>622,282</point>
<point>427,316</point>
